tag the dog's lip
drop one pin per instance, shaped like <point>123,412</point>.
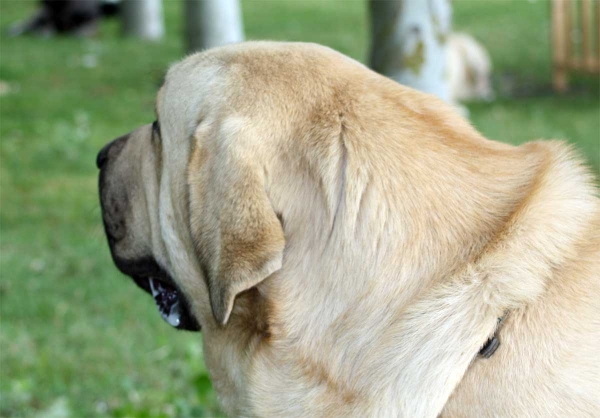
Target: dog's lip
<point>170,301</point>
<point>142,268</point>
<point>171,304</point>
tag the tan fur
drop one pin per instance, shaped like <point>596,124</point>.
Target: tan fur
<point>348,244</point>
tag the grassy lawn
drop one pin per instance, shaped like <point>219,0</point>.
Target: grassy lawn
<point>77,338</point>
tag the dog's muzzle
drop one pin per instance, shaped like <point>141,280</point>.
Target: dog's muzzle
<point>146,272</point>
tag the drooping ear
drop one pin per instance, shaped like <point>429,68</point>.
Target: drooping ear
<point>238,236</point>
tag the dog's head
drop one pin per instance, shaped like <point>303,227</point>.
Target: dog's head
<point>184,199</point>
<point>187,201</point>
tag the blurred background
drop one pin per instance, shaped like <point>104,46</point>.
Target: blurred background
<point>77,339</point>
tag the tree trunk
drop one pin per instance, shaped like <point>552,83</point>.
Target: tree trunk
<point>143,19</point>
<point>210,23</point>
<point>409,42</point>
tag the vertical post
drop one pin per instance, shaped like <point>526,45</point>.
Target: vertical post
<point>559,44</point>
<point>586,49</point>
<point>598,32</point>
<point>211,23</point>
<point>143,19</point>
<point>408,42</point>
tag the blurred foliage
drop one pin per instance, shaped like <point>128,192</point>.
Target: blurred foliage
<point>78,339</point>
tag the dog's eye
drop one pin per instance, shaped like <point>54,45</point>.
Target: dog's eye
<point>156,128</point>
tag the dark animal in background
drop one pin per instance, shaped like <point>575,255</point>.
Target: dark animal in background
<point>66,17</point>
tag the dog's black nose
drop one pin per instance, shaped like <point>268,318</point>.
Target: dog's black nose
<point>103,155</point>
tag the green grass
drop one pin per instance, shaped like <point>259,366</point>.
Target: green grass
<point>78,338</point>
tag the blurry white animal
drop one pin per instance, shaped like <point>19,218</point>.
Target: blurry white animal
<point>469,69</point>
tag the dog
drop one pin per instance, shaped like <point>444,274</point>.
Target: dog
<point>469,69</point>
<point>348,245</point>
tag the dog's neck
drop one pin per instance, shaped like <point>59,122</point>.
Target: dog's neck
<point>398,310</point>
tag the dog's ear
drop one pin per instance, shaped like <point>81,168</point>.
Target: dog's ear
<point>238,236</point>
